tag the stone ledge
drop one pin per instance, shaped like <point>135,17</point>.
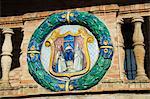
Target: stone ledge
<point>42,15</point>
<point>102,87</point>
<point>134,8</point>
<point>93,9</point>
<point>93,96</point>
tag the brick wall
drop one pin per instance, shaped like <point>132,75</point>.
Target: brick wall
<point>23,84</point>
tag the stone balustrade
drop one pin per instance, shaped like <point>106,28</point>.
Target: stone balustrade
<point>139,51</point>
<point>138,44</point>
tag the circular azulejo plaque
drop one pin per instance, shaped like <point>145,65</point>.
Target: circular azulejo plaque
<point>70,51</point>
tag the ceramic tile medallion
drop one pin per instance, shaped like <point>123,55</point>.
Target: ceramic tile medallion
<point>70,51</point>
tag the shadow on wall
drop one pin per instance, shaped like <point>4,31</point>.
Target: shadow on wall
<point>146,33</point>
<point>129,62</point>
<point>1,42</point>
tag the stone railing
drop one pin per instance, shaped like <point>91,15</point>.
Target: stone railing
<point>139,51</point>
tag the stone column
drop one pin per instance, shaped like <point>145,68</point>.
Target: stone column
<point>121,52</point>
<point>6,59</point>
<point>139,50</point>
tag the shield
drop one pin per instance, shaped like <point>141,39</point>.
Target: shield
<point>68,57</point>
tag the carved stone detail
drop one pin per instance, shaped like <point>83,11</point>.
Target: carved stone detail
<point>25,76</point>
<point>6,59</point>
<point>139,50</point>
<point>120,45</point>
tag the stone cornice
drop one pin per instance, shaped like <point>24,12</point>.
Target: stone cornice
<point>106,9</point>
<point>42,15</point>
<point>137,8</point>
<point>10,20</point>
<point>36,15</point>
<point>134,8</point>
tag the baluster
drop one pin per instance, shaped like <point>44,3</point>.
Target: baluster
<point>120,45</point>
<point>6,59</point>
<point>139,50</point>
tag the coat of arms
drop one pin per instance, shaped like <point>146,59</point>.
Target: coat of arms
<point>69,52</point>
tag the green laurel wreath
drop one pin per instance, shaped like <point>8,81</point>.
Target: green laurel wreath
<point>95,26</point>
